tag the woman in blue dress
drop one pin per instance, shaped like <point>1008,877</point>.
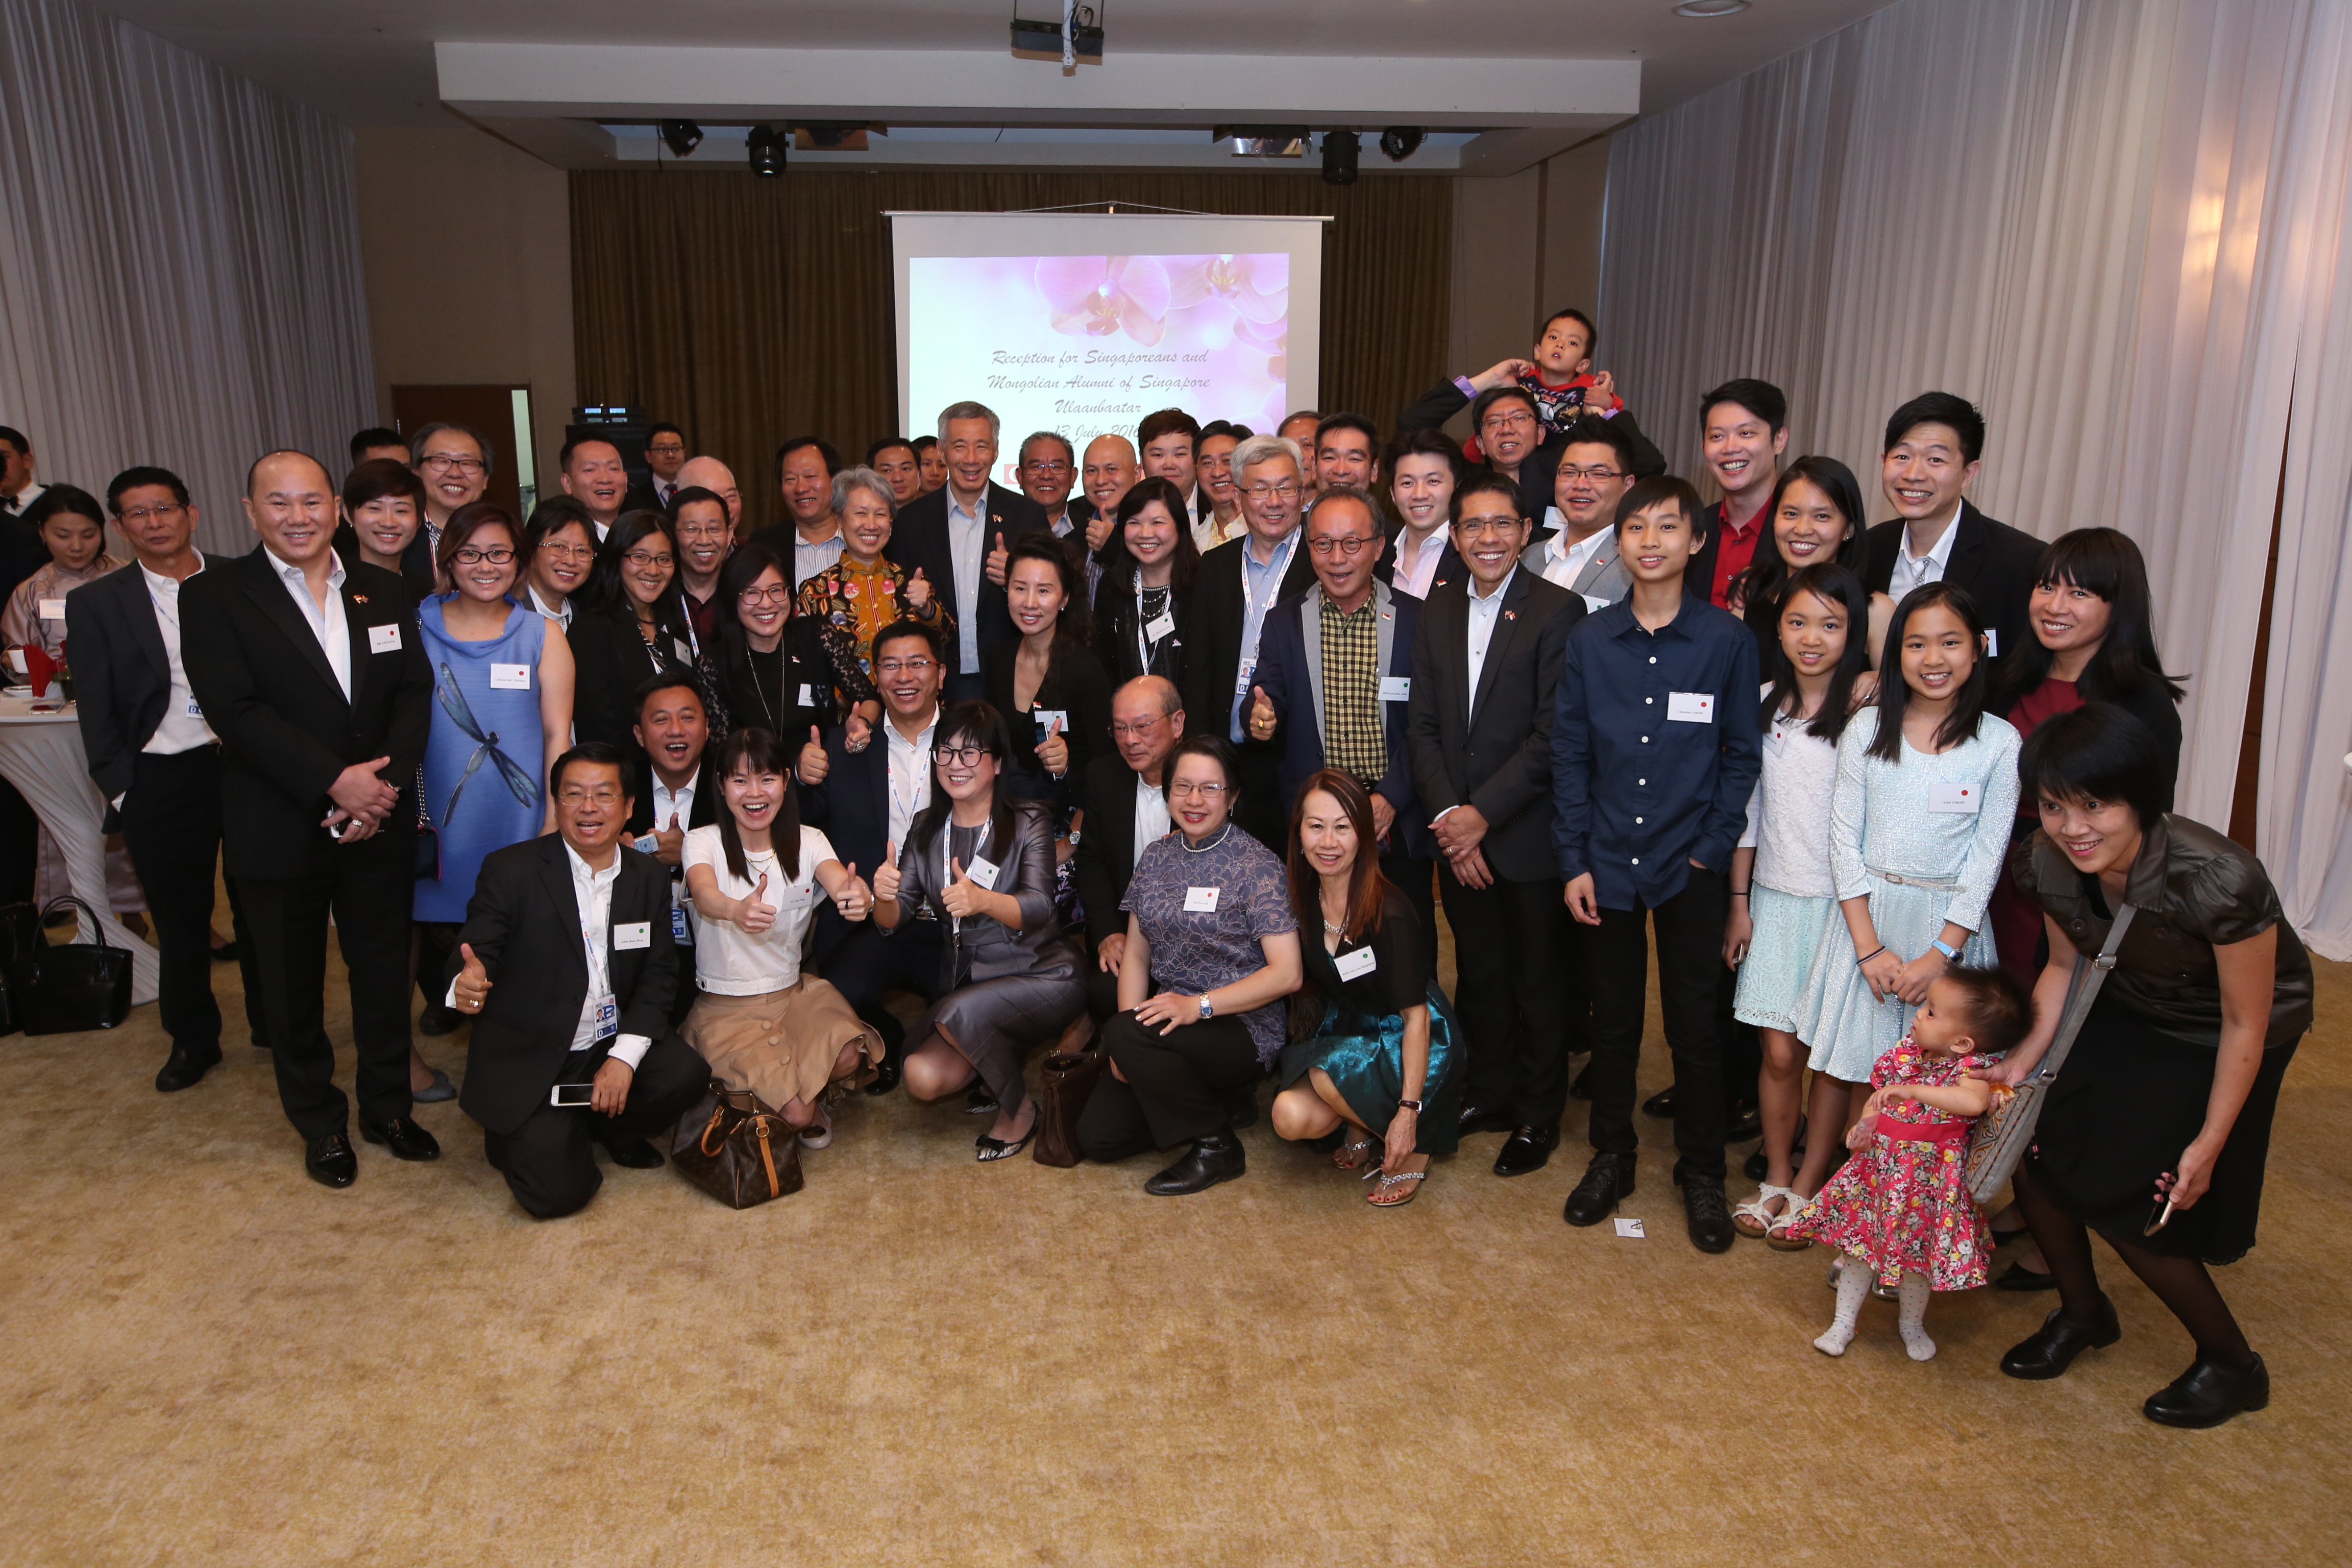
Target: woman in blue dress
<point>1382,1060</point>
<point>501,712</point>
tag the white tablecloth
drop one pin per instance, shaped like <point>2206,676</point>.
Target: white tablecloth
<point>41,755</point>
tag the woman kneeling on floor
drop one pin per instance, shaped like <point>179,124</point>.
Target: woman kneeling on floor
<point>983,864</point>
<point>753,875</point>
<point>1383,1052</point>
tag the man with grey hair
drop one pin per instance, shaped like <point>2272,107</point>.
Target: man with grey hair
<point>1239,582</point>
<point>454,461</point>
<point>959,537</point>
<point>1125,798</point>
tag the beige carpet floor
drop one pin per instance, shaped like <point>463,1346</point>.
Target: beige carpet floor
<point>209,1360</point>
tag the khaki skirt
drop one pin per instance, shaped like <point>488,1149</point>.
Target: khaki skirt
<point>781,1045</point>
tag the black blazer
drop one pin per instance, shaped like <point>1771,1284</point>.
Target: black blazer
<point>1449,561</point>
<point>123,676</point>
<point>286,728</point>
<point>1105,862</point>
<point>1214,658</point>
<point>609,661</point>
<point>1075,683</point>
<point>781,711</point>
<point>416,568</point>
<point>1995,562</point>
<point>1290,674</point>
<point>523,924</point>
<point>1444,401</point>
<point>1495,756</point>
<point>1115,636</point>
<point>701,814</point>
<point>920,539</point>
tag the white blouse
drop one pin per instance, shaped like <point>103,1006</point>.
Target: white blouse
<point>727,961</point>
<point>1789,815</point>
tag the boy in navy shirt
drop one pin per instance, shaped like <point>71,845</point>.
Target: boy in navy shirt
<point>1654,751</point>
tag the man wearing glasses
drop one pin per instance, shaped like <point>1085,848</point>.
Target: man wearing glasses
<point>566,965</point>
<point>454,461</point>
<point>1579,553</point>
<point>1126,803</point>
<point>1240,583</point>
<point>665,455</point>
<point>1334,679</point>
<point>154,758</point>
<point>1509,432</point>
<point>864,800</point>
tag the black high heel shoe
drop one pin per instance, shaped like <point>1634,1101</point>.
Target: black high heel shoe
<point>986,1148</point>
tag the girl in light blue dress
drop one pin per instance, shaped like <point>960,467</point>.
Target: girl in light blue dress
<point>1926,785</point>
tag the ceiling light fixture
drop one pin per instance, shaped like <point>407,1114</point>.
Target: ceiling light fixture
<point>766,149</point>
<point>1712,7</point>
<point>682,136</point>
<point>1340,151</point>
<point>1400,141</point>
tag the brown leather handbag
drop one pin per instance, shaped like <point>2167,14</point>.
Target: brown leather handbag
<point>1067,1081</point>
<point>737,1149</point>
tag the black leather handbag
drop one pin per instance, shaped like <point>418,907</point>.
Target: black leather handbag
<point>20,933</point>
<point>73,987</point>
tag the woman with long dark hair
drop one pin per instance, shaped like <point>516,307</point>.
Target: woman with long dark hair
<point>1048,685</point>
<point>754,877</point>
<point>1380,1053</point>
<point>2158,1127</point>
<point>1143,606</point>
<point>981,863</point>
<point>633,624</point>
<point>1815,516</point>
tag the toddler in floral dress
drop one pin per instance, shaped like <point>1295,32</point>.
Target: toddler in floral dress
<point>1901,1206</point>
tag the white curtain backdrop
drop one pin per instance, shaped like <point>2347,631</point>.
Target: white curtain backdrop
<point>180,276</point>
<point>2108,222</point>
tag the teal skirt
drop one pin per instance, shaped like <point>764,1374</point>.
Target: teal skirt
<point>1364,1058</point>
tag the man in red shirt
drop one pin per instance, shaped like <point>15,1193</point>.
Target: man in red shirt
<point>1744,425</point>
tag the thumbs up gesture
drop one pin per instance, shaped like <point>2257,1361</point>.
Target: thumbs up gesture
<point>669,842</point>
<point>918,591</point>
<point>753,913</point>
<point>962,895</point>
<point>814,763</point>
<point>1261,715</point>
<point>886,876</point>
<point>856,900</point>
<point>999,560</point>
<point>473,985</point>
<point>1054,750</point>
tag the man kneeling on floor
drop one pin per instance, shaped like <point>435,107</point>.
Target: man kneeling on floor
<point>565,966</point>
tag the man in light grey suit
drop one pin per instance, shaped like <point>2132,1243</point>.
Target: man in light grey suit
<point>1579,552</point>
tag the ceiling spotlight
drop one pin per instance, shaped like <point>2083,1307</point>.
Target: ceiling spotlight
<point>766,149</point>
<point>683,136</point>
<point>1711,8</point>
<point>1340,149</point>
<point>1402,142</point>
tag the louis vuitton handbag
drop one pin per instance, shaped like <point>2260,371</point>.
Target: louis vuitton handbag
<point>737,1149</point>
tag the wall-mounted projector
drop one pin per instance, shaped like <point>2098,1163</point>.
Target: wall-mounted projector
<point>1263,141</point>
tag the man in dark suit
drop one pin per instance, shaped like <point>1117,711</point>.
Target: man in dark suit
<point>1125,797</point>
<point>1509,429</point>
<point>864,800</point>
<point>1239,584</point>
<point>1932,445</point>
<point>550,1008</point>
<point>1334,678</point>
<point>675,797</point>
<point>154,758</point>
<point>312,673</point>
<point>1486,656</point>
<point>958,537</point>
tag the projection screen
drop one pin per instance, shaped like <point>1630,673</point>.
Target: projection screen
<point>1083,322</point>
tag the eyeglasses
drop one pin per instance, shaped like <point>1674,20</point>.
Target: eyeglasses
<point>448,463</point>
<point>702,531</point>
<point>1472,527</point>
<point>1183,791</point>
<point>496,555</point>
<point>1519,419</point>
<point>1285,488</point>
<point>572,794</point>
<point>779,595</point>
<point>1137,732</point>
<point>667,449</point>
<point>962,756</point>
<point>138,514</point>
<point>1599,476</point>
<point>905,665</point>
<point>568,551</point>
<point>641,559</point>
<point>1040,465</point>
<point>1348,544</point>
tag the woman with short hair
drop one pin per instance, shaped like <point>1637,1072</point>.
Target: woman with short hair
<point>382,510</point>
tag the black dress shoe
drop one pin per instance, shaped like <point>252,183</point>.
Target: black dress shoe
<point>1607,1182</point>
<point>1706,1214</point>
<point>1528,1149</point>
<point>886,1079</point>
<point>1213,1159</point>
<point>224,954</point>
<point>440,1019</point>
<point>2020,1278</point>
<point>634,1154</point>
<point>2050,1348</point>
<point>330,1162</point>
<point>1661,1104</point>
<point>1756,1167</point>
<point>2209,1393</point>
<point>1244,1109</point>
<point>1581,1087</point>
<point>1743,1123</point>
<point>186,1065</point>
<point>407,1140</point>
<point>1483,1119</point>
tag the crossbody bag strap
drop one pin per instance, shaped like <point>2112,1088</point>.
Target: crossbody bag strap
<point>2082,990</point>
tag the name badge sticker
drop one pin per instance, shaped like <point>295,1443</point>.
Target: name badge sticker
<point>1593,604</point>
<point>1953,798</point>
<point>1690,707</point>
<point>1049,719</point>
<point>1200,901</point>
<point>53,609</point>
<point>983,871</point>
<point>1357,965</point>
<point>1775,738</point>
<point>795,898</point>
<point>510,678</point>
<point>647,843</point>
<point>630,935</point>
<point>1396,687</point>
<point>384,639</point>
<point>608,1016</point>
<point>1159,626</point>
<point>808,697</point>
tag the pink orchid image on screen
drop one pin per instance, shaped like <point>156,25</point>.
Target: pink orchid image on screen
<point>1257,286</point>
<point>1097,296</point>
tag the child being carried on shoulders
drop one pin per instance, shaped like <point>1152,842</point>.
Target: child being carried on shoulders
<point>1901,1206</point>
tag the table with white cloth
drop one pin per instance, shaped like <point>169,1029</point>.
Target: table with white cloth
<point>41,755</point>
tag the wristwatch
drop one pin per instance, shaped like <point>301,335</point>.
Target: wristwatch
<point>1208,1008</point>
<point>1411,1105</point>
<point>1947,949</point>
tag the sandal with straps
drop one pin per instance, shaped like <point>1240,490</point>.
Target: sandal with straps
<point>1350,1155</point>
<point>1389,1183</point>
<point>1778,1236</point>
<point>1753,1220</point>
